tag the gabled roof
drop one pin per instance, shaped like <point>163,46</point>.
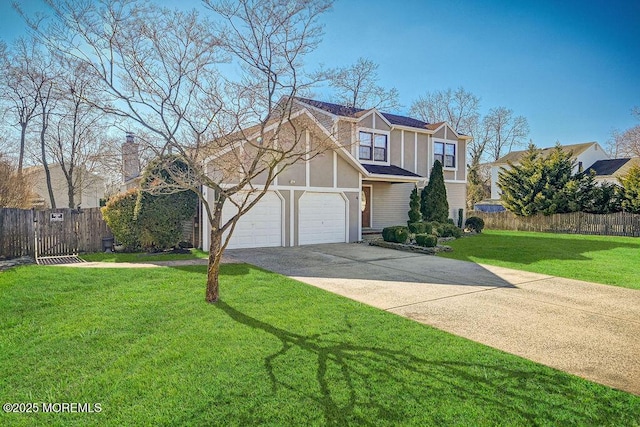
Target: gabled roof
<point>574,149</point>
<point>607,167</point>
<point>344,111</point>
<point>614,168</point>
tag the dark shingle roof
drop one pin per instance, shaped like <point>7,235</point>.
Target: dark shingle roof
<point>342,110</point>
<point>389,170</point>
<point>607,167</point>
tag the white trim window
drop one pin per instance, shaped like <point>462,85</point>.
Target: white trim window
<point>446,153</point>
<point>373,146</point>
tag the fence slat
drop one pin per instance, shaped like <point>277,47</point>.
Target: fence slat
<point>614,224</point>
<point>79,232</point>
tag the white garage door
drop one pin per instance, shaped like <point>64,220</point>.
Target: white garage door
<point>258,228</point>
<point>321,218</point>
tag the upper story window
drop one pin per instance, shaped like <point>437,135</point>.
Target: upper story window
<point>446,153</point>
<point>373,146</point>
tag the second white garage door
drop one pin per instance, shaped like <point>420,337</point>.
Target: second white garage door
<point>258,228</point>
<point>321,218</point>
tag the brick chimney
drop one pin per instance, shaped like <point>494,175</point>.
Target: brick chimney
<point>130,159</point>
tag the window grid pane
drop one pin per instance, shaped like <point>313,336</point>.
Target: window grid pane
<point>366,143</point>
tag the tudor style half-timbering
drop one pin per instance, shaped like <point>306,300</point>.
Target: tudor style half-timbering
<point>363,181</point>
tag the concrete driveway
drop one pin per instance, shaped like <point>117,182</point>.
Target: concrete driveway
<point>587,329</point>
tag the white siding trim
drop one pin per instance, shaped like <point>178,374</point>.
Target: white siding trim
<point>402,148</point>
<point>307,163</point>
<point>455,181</point>
<point>299,188</point>
<point>360,200</point>
<point>291,218</point>
<point>346,217</point>
<point>415,153</point>
<point>335,169</point>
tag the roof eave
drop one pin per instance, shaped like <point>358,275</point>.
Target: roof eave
<point>393,178</point>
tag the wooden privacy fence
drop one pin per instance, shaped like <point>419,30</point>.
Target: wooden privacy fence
<point>615,224</point>
<point>51,232</point>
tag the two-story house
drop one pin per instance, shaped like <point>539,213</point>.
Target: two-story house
<point>362,183</point>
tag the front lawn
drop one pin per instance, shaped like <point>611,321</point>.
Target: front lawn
<point>143,256</point>
<point>145,345</point>
<point>601,259</point>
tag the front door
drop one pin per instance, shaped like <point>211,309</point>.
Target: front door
<point>365,206</point>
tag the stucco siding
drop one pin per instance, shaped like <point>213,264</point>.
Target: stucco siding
<point>366,122</point>
<point>395,147</point>
<point>422,155</point>
<point>409,151</point>
<point>348,177</point>
<point>381,123</point>
<point>344,134</point>
<point>353,199</point>
<point>321,170</point>
<point>440,134</point>
<point>293,175</point>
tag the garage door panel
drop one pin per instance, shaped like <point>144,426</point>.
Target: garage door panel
<point>322,218</point>
<point>259,227</point>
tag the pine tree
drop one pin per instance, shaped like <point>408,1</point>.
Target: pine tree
<point>540,184</point>
<point>631,190</point>
<point>521,184</point>
<point>433,204</point>
<point>414,206</point>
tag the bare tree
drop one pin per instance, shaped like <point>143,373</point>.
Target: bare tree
<point>627,142</point>
<point>77,126</point>
<point>459,108</point>
<point>356,86</point>
<point>21,67</point>
<point>160,69</point>
<point>15,187</point>
<point>504,131</point>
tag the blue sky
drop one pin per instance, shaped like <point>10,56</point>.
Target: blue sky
<point>571,67</point>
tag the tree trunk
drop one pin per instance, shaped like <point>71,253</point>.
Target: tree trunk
<point>23,132</point>
<point>45,165</point>
<point>213,271</point>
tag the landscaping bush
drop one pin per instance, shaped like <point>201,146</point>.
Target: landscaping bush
<point>414,207</point>
<point>450,230</point>
<point>161,209</point>
<point>445,229</point>
<point>395,234</point>
<point>119,214</point>
<point>420,228</point>
<point>474,223</point>
<point>426,240</point>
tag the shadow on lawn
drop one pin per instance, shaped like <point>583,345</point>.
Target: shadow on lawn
<point>363,385</point>
<point>526,249</point>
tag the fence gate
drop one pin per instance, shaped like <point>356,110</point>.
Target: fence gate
<point>56,236</point>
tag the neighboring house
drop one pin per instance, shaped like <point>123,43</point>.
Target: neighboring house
<point>362,183</point>
<point>90,188</point>
<point>584,154</point>
<point>610,170</point>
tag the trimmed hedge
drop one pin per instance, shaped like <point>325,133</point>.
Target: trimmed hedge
<point>474,223</point>
<point>426,240</point>
<point>395,234</point>
<point>420,227</point>
<point>119,214</point>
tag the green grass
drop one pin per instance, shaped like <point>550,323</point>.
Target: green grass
<point>601,259</point>
<point>143,257</point>
<point>273,351</point>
